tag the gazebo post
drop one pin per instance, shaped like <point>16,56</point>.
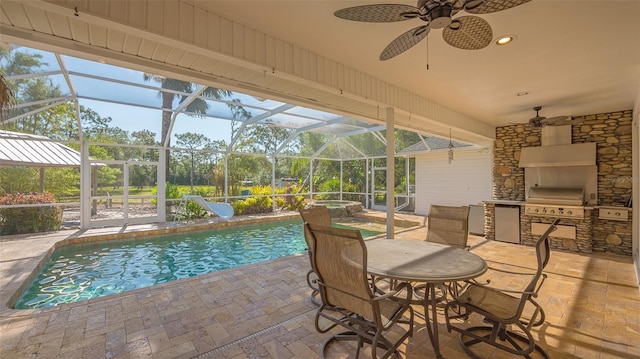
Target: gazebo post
<point>41,179</point>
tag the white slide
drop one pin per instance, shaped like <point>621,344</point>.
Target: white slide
<point>223,210</point>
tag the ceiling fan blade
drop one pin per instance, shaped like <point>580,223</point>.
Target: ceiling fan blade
<point>489,6</point>
<point>404,42</point>
<point>559,121</point>
<point>379,13</point>
<point>468,33</point>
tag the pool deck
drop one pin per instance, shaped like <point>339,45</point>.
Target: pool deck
<point>263,310</point>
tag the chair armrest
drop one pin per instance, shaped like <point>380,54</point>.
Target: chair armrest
<point>393,293</point>
<point>486,285</point>
<point>509,271</point>
<point>488,281</point>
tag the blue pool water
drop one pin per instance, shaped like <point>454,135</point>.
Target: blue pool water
<point>102,268</point>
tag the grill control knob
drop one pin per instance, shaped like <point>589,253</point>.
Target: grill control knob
<point>569,212</point>
<point>552,211</point>
<point>544,210</point>
<point>536,210</point>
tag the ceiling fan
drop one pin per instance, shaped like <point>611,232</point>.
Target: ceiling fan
<point>464,32</point>
<point>540,121</point>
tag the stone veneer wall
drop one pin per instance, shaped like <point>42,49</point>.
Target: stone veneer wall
<point>584,227</point>
<point>489,220</point>
<point>612,134</point>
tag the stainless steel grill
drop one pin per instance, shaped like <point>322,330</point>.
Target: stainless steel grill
<point>555,202</point>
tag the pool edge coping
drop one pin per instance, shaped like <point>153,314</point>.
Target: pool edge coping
<point>79,237</point>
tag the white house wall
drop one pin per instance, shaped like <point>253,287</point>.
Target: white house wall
<point>467,180</point>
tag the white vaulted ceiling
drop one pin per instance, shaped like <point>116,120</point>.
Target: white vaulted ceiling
<point>572,57</point>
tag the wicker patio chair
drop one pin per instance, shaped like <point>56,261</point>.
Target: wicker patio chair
<point>348,299</point>
<point>503,309</point>
<point>316,215</point>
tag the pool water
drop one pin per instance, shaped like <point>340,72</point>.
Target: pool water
<point>102,268</point>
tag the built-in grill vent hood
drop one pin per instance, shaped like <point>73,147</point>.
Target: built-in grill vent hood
<point>557,150</point>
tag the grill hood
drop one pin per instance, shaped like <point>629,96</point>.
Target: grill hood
<point>557,150</point>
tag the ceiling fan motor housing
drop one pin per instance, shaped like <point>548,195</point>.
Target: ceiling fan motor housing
<point>440,16</point>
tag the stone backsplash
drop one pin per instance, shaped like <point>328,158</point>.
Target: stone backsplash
<point>612,134</point>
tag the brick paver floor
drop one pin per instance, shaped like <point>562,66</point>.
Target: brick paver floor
<point>263,310</point>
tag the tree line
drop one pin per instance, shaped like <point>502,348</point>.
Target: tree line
<point>194,159</point>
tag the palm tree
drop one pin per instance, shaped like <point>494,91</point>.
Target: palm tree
<point>7,99</point>
<point>198,106</point>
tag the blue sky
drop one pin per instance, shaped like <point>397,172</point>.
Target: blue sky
<point>107,89</point>
<point>128,118</point>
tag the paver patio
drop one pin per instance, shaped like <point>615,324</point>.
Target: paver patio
<point>263,310</point>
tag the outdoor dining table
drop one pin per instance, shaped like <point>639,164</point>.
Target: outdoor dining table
<point>424,262</point>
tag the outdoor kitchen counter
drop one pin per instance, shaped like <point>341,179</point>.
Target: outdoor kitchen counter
<point>497,201</point>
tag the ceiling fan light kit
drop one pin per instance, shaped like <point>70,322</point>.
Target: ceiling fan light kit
<point>463,32</point>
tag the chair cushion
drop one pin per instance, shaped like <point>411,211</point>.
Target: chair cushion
<point>501,305</point>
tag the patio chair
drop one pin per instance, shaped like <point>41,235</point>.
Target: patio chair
<point>503,309</point>
<point>316,215</point>
<point>446,225</point>
<point>348,299</point>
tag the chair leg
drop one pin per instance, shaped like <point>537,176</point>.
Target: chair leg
<point>315,291</point>
<point>537,318</point>
<point>360,340</point>
<point>360,331</point>
<point>501,338</point>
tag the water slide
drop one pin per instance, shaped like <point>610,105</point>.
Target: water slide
<point>222,210</point>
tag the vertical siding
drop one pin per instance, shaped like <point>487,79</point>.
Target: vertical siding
<point>467,180</point>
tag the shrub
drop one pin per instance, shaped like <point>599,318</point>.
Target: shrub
<point>29,219</point>
<point>261,201</point>
<point>290,202</point>
<point>191,210</point>
<point>253,205</point>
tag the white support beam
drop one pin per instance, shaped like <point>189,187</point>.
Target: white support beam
<point>76,104</point>
<point>33,112</point>
<point>255,119</point>
<point>323,147</point>
<point>194,95</point>
<point>390,173</point>
<point>40,102</point>
<point>307,128</point>
<point>359,132</point>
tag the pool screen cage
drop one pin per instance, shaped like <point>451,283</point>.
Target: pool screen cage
<point>143,140</point>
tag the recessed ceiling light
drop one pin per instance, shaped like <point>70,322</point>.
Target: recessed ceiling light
<point>503,40</point>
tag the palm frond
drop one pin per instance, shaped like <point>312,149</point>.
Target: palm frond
<point>7,98</point>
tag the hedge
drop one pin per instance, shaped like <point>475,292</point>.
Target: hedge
<point>29,219</point>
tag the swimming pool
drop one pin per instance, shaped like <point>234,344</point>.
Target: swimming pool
<point>98,269</point>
